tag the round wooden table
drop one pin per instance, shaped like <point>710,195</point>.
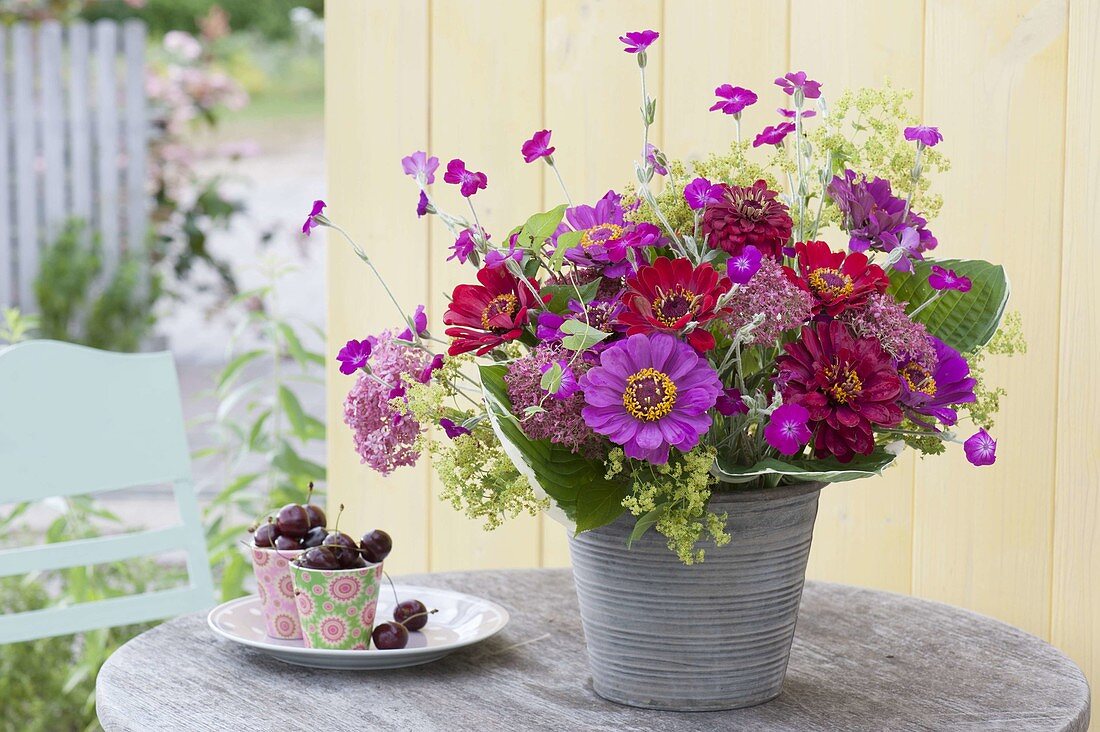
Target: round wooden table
<point>862,660</point>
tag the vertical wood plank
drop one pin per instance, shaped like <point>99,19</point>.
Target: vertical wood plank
<point>982,536</point>
<point>486,78</point>
<point>864,528</point>
<point>80,127</point>
<point>51,127</point>
<point>376,110</point>
<point>1075,620</point>
<point>7,244</point>
<point>24,178</point>
<point>592,93</point>
<point>107,142</point>
<point>137,136</point>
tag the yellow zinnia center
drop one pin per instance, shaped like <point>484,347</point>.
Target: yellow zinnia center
<point>845,386</point>
<point>506,304</point>
<point>601,234</point>
<point>670,306</point>
<point>649,395</point>
<point>918,378</point>
<point>828,282</point>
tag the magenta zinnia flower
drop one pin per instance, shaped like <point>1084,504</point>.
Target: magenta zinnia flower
<point>537,147</point>
<point>732,99</point>
<point>922,135</point>
<point>639,41</point>
<point>469,181</point>
<point>981,448</point>
<point>747,215</point>
<point>934,392</point>
<point>848,385</point>
<point>649,393</point>
<point>795,81</point>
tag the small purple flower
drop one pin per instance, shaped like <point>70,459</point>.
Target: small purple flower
<point>470,181</point>
<point>537,147</point>
<point>908,240</point>
<point>453,430</point>
<point>730,403</point>
<point>791,114</point>
<point>420,166</point>
<point>422,205</point>
<point>948,279</point>
<point>923,136</point>
<point>639,41</point>
<point>311,223</point>
<point>794,81</point>
<point>980,448</point>
<point>773,135</point>
<point>463,247</point>
<point>653,156</point>
<point>420,320</point>
<point>353,356</point>
<point>701,192</point>
<point>397,392</point>
<point>732,99</point>
<point>497,258</point>
<point>787,431</point>
<point>568,385</point>
<point>741,268</point>
<point>426,374</point>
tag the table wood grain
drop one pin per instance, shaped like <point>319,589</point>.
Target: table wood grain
<point>862,660</point>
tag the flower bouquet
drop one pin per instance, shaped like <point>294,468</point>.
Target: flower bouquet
<point>675,370</point>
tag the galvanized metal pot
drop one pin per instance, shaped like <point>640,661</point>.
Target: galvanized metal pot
<point>714,635</point>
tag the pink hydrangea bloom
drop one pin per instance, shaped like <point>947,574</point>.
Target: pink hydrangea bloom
<point>383,436</point>
<point>562,422</point>
<point>884,319</point>
<point>784,304</point>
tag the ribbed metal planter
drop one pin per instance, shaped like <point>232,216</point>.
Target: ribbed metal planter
<point>714,635</point>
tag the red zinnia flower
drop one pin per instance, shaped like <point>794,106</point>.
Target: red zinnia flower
<point>669,294</point>
<point>747,215</point>
<point>488,314</point>
<point>838,281</point>
<point>847,385</point>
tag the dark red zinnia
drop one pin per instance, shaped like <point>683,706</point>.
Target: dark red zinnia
<point>837,280</point>
<point>488,314</point>
<point>669,294</point>
<point>747,215</point>
<point>846,383</point>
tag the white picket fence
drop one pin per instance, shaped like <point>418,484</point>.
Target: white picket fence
<point>74,135</point>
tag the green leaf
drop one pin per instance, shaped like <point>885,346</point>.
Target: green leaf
<point>580,335</point>
<point>600,503</point>
<point>828,470</point>
<point>234,367</point>
<point>293,464</point>
<point>962,320</point>
<point>551,380</point>
<point>646,522</point>
<point>294,345</point>
<point>540,227</point>
<point>567,478</point>
<point>566,241</point>
<point>294,412</point>
<point>560,295</point>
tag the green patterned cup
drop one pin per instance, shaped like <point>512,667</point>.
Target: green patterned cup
<point>337,607</point>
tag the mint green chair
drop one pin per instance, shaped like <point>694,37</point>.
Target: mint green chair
<point>75,420</point>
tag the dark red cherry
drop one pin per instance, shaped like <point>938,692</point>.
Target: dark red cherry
<point>318,557</point>
<point>412,614</point>
<point>376,546</point>
<point>344,546</point>
<point>287,543</point>
<point>390,636</point>
<point>292,520</point>
<point>314,537</point>
<point>265,535</point>
<point>359,563</point>
<point>316,516</point>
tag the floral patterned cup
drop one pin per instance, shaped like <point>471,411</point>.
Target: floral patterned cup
<point>272,568</point>
<point>337,607</point>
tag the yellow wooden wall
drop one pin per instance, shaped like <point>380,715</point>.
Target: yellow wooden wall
<point>1013,84</point>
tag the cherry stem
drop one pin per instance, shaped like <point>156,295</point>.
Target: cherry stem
<point>392,588</point>
<point>414,617</point>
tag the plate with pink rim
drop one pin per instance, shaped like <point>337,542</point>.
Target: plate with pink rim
<point>461,620</point>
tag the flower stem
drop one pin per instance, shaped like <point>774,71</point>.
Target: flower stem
<point>914,176</point>
<point>363,256</point>
<point>926,303</point>
<point>479,234</point>
<point>550,162</point>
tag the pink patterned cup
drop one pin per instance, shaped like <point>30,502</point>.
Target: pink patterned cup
<point>276,589</point>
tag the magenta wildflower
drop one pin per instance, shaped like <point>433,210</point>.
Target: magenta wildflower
<point>425,374</point>
<point>729,403</point>
<point>639,41</point>
<point>948,279</point>
<point>981,448</point>
<point>420,166</point>
<point>797,81</point>
<point>560,421</point>
<point>701,192</point>
<point>655,158</point>
<point>741,268</point>
<point>463,247</point>
<point>420,320</point>
<point>496,258</point>
<point>469,180</point>
<point>773,134</point>
<point>923,136</point>
<point>453,430</point>
<point>791,114</point>
<point>770,292</point>
<point>423,205</point>
<point>788,428</point>
<point>311,221</point>
<point>354,356</point>
<point>732,99</point>
<point>537,147</point>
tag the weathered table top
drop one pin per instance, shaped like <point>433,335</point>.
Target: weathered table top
<point>862,660</point>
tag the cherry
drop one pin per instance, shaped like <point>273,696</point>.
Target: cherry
<point>287,543</point>
<point>265,535</point>
<point>344,547</point>
<point>376,545</point>
<point>314,537</point>
<point>292,520</point>
<point>390,636</point>
<point>316,516</point>
<point>412,614</point>
<point>359,563</point>
<point>318,557</point>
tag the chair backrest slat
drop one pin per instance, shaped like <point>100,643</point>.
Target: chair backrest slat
<point>86,552</point>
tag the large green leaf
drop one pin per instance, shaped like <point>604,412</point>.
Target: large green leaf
<point>828,470</point>
<point>576,485</point>
<point>540,227</point>
<point>963,320</point>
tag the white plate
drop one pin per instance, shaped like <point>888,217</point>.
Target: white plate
<point>462,620</point>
